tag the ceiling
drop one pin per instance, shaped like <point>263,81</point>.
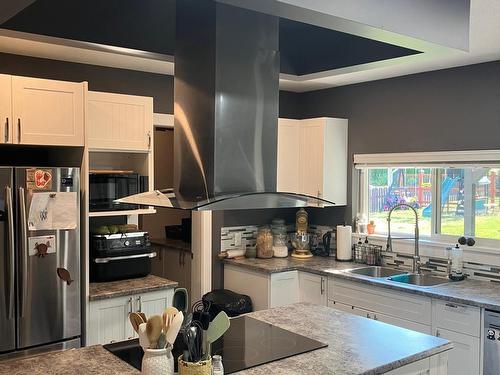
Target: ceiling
<point>312,57</point>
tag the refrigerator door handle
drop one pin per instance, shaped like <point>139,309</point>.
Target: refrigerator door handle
<point>10,248</point>
<point>24,251</point>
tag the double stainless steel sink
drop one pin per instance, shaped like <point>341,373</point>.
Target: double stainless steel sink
<point>399,276</point>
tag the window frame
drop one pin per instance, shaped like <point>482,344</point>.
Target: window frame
<point>435,160</point>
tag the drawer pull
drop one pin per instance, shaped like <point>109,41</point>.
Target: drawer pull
<point>452,305</point>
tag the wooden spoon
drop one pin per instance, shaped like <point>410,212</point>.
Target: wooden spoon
<point>143,316</point>
<point>154,327</point>
<point>135,320</point>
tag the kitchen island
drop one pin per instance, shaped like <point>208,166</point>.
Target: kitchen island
<point>355,346</point>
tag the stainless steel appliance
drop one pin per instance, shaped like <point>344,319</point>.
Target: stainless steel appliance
<point>120,256</point>
<point>39,269</point>
<point>226,149</point>
<point>107,186</point>
<point>491,359</point>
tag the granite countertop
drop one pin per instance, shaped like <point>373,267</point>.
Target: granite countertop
<point>470,292</point>
<point>92,360</point>
<point>355,346</point>
<point>98,291</point>
<point>170,244</point>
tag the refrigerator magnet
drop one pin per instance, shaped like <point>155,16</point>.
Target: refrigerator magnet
<point>40,246</point>
<point>39,179</point>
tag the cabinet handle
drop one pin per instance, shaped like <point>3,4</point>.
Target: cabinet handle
<point>375,317</point>
<point>131,310</point>
<point>19,130</point>
<point>6,130</point>
<point>452,305</point>
<point>139,301</point>
<point>322,286</point>
<point>438,334</point>
<point>368,315</point>
<point>149,140</point>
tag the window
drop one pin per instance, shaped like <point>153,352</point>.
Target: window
<point>452,199</point>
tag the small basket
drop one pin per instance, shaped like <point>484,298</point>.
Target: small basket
<point>367,254</point>
<point>195,368</point>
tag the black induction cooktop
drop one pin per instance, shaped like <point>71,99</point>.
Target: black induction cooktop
<point>247,343</point>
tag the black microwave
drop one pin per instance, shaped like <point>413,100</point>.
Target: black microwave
<point>104,188</point>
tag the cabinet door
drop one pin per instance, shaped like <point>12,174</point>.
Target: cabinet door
<point>311,157</point>
<point>340,306</point>
<point>109,321</point>
<point>288,155</point>
<point>312,288</point>
<point>47,112</point>
<point>284,288</point>
<point>403,323</point>
<point>463,359</point>
<point>119,122</point>
<point>5,108</point>
<point>154,303</point>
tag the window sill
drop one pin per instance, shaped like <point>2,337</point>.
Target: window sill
<point>428,247</point>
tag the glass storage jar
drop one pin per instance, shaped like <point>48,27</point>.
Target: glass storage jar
<point>264,243</point>
<point>280,249</point>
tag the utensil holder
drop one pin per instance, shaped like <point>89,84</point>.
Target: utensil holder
<point>195,368</point>
<point>158,362</point>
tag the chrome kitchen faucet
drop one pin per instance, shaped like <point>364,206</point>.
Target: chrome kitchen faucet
<point>416,256</point>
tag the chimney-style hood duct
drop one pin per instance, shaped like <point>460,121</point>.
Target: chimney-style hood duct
<point>226,92</point>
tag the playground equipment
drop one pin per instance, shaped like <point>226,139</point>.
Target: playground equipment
<point>446,188</point>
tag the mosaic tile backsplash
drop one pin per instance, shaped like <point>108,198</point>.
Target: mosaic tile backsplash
<point>473,270</point>
<point>244,236</point>
<point>232,238</point>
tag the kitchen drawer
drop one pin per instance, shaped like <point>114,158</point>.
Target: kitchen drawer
<point>457,317</point>
<point>394,303</point>
<point>340,306</point>
<point>403,323</point>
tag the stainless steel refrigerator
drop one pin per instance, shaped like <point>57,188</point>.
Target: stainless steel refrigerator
<point>39,259</point>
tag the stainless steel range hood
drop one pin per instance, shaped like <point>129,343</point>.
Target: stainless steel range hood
<point>226,92</point>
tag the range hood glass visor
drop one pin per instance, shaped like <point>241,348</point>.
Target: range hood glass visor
<point>166,198</point>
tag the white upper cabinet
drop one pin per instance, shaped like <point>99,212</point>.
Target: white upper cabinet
<point>5,108</point>
<point>47,112</point>
<point>312,158</point>
<point>288,155</point>
<point>119,122</point>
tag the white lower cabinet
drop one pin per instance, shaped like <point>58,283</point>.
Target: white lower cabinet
<point>108,318</point>
<point>284,288</point>
<point>455,322</point>
<point>276,289</point>
<point>313,288</point>
<point>464,358</point>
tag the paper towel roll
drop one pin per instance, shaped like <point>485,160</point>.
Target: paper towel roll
<point>344,242</point>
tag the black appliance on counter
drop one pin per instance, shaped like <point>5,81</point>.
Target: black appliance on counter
<point>106,186</point>
<point>247,343</point>
<point>120,256</point>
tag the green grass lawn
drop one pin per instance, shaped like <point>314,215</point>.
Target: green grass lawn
<point>487,225</point>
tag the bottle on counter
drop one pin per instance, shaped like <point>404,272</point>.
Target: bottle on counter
<point>457,264</point>
<point>217,367</point>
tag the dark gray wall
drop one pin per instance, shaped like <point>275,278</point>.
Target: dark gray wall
<point>122,81</point>
<point>452,109</point>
